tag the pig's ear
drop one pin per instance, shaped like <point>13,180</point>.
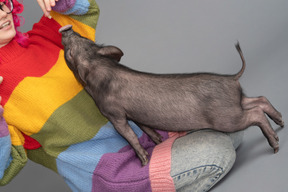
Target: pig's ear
<point>81,75</point>
<point>111,52</point>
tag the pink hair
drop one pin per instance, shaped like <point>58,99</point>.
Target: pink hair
<point>21,38</point>
<point>18,20</point>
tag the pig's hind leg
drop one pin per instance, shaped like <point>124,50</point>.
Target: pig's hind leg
<point>124,129</point>
<point>265,105</point>
<point>256,117</point>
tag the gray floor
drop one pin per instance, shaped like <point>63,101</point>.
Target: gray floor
<point>168,36</point>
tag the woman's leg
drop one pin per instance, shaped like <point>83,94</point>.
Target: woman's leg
<point>202,158</point>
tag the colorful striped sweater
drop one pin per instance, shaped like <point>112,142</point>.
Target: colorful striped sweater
<point>52,120</point>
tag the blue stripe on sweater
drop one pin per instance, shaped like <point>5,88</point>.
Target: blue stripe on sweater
<point>78,162</point>
<point>5,154</point>
<point>81,7</point>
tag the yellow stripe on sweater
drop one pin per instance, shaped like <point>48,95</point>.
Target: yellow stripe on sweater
<point>51,91</point>
<point>30,118</point>
<point>83,29</point>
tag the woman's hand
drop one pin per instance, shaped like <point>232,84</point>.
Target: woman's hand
<point>46,6</point>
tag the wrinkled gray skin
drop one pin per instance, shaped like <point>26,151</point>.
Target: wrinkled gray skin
<point>170,102</point>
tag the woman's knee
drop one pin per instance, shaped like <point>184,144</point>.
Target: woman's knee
<point>201,159</point>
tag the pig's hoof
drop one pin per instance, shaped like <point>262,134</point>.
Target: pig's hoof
<point>276,150</point>
<point>279,120</point>
<point>143,157</point>
<point>276,146</point>
<point>274,142</point>
<point>157,138</point>
<point>144,160</point>
<point>282,124</point>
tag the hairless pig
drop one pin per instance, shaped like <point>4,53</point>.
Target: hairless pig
<point>170,102</point>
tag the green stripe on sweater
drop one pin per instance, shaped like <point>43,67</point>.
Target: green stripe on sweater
<point>89,18</point>
<point>76,121</point>
<point>18,162</point>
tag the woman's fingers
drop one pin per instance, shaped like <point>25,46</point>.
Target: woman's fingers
<point>46,6</point>
<point>43,7</point>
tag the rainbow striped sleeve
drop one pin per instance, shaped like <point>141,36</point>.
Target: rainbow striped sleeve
<point>40,93</point>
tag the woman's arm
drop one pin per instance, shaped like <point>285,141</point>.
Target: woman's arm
<point>5,142</point>
<point>83,15</point>
<point>9,153</point>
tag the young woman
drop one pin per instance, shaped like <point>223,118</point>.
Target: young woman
<point>50,119</point>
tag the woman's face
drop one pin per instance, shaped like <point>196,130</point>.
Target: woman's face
<point>7,29</point>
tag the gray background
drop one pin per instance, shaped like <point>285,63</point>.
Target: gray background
<point>166,36</point>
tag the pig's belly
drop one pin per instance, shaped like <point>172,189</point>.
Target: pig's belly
<point>185,114</point>
<point>170,117</point>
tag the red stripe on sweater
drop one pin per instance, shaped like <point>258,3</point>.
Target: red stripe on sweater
<point>34,61</point>
<point>30,143</point>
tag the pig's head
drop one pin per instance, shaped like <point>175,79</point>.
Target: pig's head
<point>80,53</point>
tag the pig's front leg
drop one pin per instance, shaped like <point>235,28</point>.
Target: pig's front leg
<point>156,137</point>
<point>122,126</point>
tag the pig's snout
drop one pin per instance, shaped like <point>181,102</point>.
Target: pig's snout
<point>66,32</point>
<point>65,28</point>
